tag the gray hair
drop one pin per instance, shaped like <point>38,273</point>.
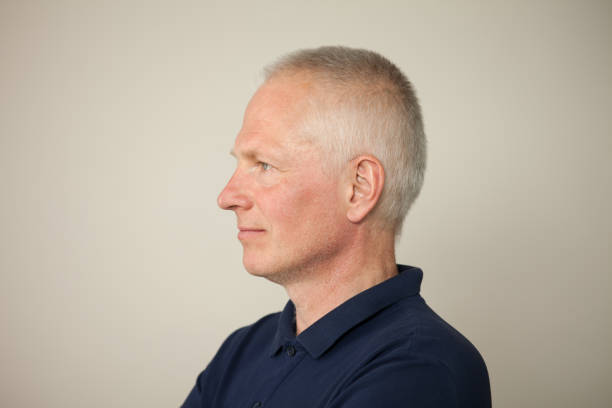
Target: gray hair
<point>372,109</point>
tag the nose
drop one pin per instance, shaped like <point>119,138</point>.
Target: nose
<point>234,195</point>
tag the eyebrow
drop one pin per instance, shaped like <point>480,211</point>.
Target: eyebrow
<point>249,153</point>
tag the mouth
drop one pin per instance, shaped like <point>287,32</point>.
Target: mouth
<point>249,233</point>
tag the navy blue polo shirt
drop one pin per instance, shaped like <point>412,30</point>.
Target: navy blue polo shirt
<point>383,348</point>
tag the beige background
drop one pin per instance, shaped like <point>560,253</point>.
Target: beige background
<point>119,276</point>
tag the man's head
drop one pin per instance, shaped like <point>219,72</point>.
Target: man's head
<point>331,147</point>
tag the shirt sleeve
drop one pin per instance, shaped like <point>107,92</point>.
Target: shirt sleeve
<point>196,398</point>
<point>203,391</point>
<point>399,383</point>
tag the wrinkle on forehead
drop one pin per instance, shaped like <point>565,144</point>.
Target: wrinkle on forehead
<point>262,145</point>
<point>250,143</point>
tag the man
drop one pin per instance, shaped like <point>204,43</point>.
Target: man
<point>330,157</point>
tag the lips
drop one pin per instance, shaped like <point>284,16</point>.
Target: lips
<point>249,232</point>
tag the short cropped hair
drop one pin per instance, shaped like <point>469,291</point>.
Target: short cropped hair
<point>366,105</point>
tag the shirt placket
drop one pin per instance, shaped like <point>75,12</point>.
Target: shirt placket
<point>287,360</point>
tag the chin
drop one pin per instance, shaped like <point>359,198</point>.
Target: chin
<point>256,267</point>
<point>274,273</point>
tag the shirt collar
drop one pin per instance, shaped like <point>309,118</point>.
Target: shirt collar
<point>321,335</point>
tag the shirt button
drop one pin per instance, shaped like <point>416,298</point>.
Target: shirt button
<point>257,404</point>
<point>290,351</point>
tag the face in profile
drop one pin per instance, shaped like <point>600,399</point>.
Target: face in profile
<point>288,209</point>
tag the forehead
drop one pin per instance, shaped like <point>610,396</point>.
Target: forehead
<point>273,115</point>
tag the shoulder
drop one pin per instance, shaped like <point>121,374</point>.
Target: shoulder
<point>426,336</point>
<point>412,351</point>
<point>411,326</point>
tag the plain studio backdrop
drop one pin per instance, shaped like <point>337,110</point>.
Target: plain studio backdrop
<point>120,277</point>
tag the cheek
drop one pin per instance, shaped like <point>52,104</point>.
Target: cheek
<point>304,207</point>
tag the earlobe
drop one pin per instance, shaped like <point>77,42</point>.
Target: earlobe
<point>367,180</point>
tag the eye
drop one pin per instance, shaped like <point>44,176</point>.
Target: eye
<point>265,166</point>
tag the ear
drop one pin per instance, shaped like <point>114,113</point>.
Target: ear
<point>367,178</point>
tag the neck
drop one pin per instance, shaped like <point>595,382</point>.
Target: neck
<point>332,282</point>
